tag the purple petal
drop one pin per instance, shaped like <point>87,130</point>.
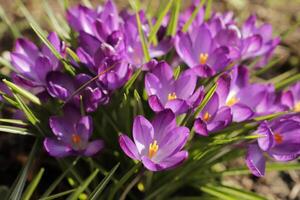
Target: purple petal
<point>203,71</point>
<point>184,48</point>
<point>56,148</point>
<point>129,147</point>
<point>143,134</point>
<point>185,85</point>
<point>241,112</point>
<point>93,147</point>
<point>84,127</point>
<point>155,104</point>
<point>266,141</point>
<point>26,48</point>
<point>255,160</point>
<point>178,106</point>
<point>200,127</point>
<point>162,123</point>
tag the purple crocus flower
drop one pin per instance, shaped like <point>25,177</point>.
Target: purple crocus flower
<point>231,91</point>
<point>199,50</point>
<point>291,98</point>
<point>212,117</point>
<point>72,133</point>
<point>62,86</point>
<point>157,144</point>
<point>257,41</point>
<point>32,64</point>
<point>165,92</point>
<point>279,138</point>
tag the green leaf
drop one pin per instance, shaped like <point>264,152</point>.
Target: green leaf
<point>13,121</point>
<point>208,10</point>
<point>217,193</point>
<point>123,180</point>
<point>96,193</point>
<point>59,179</point>
<point>73,55</point>
<point>287,81</point>
<point>18,90</point>
<point>132,80</point>
<point>172,28</point>
<point>14,130</point>
<point>186,26</point>
<point>54,21</point>
<point>29,114</point>
<point>17,190</point>
<point>58,195</point>
<point>206,99</point>
<point>158,23</point>
<point>83,186</point>
<point>268,66</point>
<point>230,193</point>
<point>136,6</point>
<point>32,186</point>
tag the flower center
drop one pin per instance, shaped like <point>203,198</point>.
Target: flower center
<point>203,58</point>
<point>76,139</point>
<point>297,107</point>
<point>278,138</point>
<point>153,148</point>
<point>172,96</point>
<point>206,117</point>
<point>233,100</point>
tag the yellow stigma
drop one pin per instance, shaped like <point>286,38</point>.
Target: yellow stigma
<point>206,117</point>
<point>278,138</point>
<point>153,148</point>
<point>297,107</point>
<point>233,100</point>
<point>203,58</point>
<point>172,96</point>
<point>76,139</point>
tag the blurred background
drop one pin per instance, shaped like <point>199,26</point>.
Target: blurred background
<point>284,15</point>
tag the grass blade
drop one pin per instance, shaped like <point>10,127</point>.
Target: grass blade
<point>83,186</point>
<point>13,121</point>
<point>44,39</point>
<point>186,26</point>
<point>217,193</point>
<point>136,6</point>
<point>172,28</point>
<point>158,23</point>
<point>58,195</point>
<point>123,180</point>
<point>14,130</point>
<point>18,189</point>
<point>287,81</point>
<point>96,193</point>
<point>59,179</point>
<point>18,90</point>
<point>32,186</point>
<point>208,10</point>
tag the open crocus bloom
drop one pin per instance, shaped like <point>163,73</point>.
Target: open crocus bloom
<point>72,135</point>
<point>198,49</point>
<point>165,92</point>
<point>212,117</point>
<point>280,139</point>
<point>157,144</point>
<point>32,64</point>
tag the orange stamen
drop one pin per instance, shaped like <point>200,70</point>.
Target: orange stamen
<point>278,138</point>
<point>203,58</point>
<point>153,148</point>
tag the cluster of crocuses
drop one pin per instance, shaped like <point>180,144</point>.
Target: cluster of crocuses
<point>109,49</point>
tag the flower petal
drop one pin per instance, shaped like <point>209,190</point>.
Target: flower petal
<point>143,134</point>
<point>93,147</point>
<point>255,160</point>
<point>56,148</point>
<point>128,147</point>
